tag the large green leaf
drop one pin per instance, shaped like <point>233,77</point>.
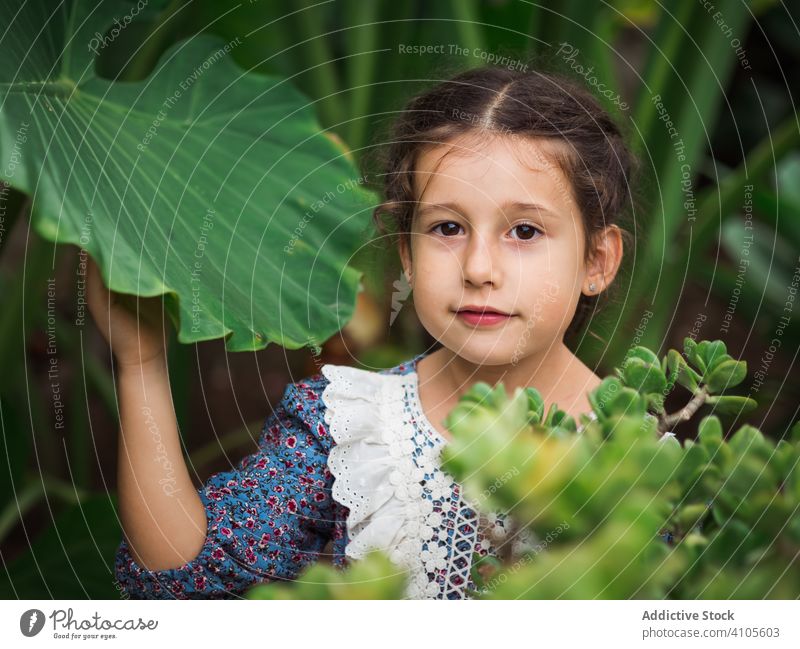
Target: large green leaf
<point>234,204</point>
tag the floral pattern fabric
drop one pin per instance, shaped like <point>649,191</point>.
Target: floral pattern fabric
<point>267,518</point>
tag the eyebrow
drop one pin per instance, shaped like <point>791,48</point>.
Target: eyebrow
<point>511,206</point>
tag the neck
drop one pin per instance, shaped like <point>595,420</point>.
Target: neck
<point>544,371</point>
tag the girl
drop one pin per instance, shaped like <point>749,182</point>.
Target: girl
<point>504,188</point>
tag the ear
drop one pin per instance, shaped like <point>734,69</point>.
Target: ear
<point>405,257</point>
<point>604,261</point>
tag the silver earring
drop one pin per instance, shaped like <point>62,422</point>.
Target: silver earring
<point>591,287</point>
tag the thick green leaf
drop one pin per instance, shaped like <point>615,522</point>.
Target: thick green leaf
<point>628,402</point>
<point>655,402</point>
<point>695,354</point>
<point>373,577</point>
<point>561,421</point>
<point>643,354</point>
<point>747,439</point>
<point>644,376</point>
<point>714,353</point>
<point>202,182</point>
<point>601,397</point>
<point>688,378</point>
<point>691,515</point>
<point>535,405</point>
<point>693,458</point>
<point>732,405</point>
<point>710,431</point>
<point>726,375</point>
<point>748,476</point>
<point>783,459</point>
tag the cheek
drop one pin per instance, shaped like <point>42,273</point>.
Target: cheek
<point>547,295</point>
<point>560,303</point>
<point>555,271</point>
<point>434,262</point>
<point>432,270</point>
<point>532,271</point>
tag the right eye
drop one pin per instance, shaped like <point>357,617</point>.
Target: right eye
<point>447,228</point>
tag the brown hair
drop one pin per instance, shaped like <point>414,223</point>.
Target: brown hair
<point>536,104</point>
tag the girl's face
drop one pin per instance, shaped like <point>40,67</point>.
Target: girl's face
<point>496,227</point>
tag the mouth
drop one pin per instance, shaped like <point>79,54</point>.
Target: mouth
<point>483,316</point>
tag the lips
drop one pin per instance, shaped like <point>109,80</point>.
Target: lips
<point>482,309</point>
<point>482,316</point>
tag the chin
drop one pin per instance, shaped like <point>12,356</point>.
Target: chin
<point>488,352</point>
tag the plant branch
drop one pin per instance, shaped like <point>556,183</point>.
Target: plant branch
<point>685,413</point>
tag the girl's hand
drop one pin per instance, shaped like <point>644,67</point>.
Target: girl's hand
<point>134,339</point>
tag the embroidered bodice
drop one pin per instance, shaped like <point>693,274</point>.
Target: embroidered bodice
<point>387,472</point>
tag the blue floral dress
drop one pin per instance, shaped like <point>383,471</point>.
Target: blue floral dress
<point>346,461</point>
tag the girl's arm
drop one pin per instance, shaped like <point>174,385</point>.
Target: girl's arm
<point>162,515</point>
<point>268,517</point>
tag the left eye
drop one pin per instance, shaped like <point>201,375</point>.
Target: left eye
<point>526,231</point>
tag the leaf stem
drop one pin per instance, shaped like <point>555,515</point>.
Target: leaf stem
<point>685,413</point>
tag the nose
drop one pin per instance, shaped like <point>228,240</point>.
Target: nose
<point>481,265</point>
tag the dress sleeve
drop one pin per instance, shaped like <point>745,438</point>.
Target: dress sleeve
<point>266,519</point>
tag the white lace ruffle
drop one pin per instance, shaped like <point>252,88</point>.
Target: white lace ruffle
<point>374,475</point>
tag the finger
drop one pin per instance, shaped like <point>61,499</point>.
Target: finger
<point>101,290</point>
<point>99,298</point>
<point>93,282</point>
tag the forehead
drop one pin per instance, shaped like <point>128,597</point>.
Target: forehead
<point>476,168</point>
